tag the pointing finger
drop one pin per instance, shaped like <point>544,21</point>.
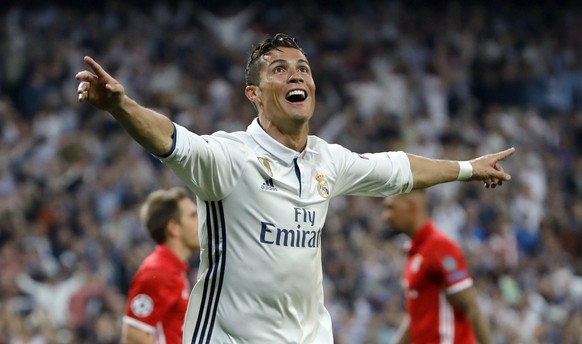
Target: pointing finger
<point>96,67</point>
<point>504,154</point>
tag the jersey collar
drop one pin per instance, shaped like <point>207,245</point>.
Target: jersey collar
<point>170,256</point>
<point>274,148</point>
<point>421,236</point>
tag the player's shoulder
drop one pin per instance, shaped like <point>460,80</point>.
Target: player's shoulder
<point>326,149</point>
<point>240,140</point>
<point>156,263</point>
<point>440,241</point>
<point>317,142</point>
<point>157,274</point>
<point>232,135</point>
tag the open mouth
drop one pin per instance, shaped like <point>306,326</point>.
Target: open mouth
<point>296,96</point>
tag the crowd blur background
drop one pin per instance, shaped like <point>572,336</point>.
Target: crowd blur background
<point>442,79</point>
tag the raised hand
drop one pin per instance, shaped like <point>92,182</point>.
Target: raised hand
<point>488,168</point>
<point>98,87</point>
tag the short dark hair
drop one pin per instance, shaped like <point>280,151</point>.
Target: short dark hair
<point>160,207</point>
<point>280,40</point>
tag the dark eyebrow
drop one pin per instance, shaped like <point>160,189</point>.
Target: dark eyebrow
<point>286,62</point>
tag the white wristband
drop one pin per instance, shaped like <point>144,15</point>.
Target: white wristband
<point>465,170</point>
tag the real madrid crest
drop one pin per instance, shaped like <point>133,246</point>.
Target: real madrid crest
<point>322,186</point>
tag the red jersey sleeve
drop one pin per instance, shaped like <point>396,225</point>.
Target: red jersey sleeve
<point>451,266</point>
<point>152,294</point>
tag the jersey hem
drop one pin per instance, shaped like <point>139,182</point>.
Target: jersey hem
<point>139,324</point>
<point>455,288</point>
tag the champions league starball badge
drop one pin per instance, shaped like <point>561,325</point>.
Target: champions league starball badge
<point>142,305</point>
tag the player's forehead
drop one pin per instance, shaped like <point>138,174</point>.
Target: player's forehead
<point>187,205</point>
<point>289,55</point>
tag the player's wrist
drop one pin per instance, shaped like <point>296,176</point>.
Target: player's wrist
<point>465,170</point>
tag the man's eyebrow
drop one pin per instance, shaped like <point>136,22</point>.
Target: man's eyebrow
<point>285,62</point>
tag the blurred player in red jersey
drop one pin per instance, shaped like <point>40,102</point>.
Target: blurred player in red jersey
<point>440,298</point>
<point>159,292</point>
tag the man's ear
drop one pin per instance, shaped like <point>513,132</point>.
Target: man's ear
<point>253,94</point>
<point>172,228</point>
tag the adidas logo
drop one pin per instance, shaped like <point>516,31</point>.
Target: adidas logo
<point>268,185</point>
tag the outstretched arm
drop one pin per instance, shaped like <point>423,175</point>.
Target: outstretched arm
<point>428,172</point>
<point>149,128</point>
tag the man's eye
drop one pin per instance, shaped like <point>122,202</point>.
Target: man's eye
<point>279,69</point>
<point>304,69</point>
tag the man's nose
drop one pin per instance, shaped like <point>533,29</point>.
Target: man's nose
<point>295,76</point>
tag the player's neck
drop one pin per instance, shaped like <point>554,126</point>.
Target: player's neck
<point>292,135</point>
<point>179,249</point>
<point>419,223</point>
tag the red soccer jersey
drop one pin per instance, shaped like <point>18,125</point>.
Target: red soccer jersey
<point>436,267</point>
<point>158,296</point>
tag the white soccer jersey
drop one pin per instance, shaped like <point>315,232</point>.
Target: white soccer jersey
<point>262,207</point>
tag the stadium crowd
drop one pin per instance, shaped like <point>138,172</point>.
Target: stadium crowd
<point>451,80</point>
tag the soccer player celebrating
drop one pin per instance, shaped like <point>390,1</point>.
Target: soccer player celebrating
<point>440,297</point>
<point>158,295</point>
<point>263,196</point>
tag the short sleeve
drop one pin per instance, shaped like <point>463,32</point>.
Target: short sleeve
<point>451,266</point>
<point>151,295</point>
<point>210,165</point>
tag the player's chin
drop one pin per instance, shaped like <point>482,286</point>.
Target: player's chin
<point>300,113</point>
<point>298,119</point>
